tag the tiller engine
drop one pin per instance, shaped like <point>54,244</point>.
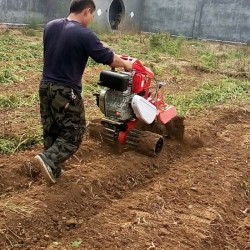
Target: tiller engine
<point>135,113</point>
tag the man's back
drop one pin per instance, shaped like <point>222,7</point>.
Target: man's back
<point>67,46</point>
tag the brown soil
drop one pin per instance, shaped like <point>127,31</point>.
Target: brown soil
<point>194,195</point>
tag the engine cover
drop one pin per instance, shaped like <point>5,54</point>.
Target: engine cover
<point>116,105</point>
<point>114,80</point>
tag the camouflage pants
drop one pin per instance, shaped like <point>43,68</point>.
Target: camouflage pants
<point>63,121</point>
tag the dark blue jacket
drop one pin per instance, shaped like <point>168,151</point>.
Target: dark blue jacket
<point>67,47</point>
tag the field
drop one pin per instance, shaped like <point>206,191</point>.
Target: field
<point>194,195</point>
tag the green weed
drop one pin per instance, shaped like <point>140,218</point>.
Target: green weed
<point>99,29</point>
<point>91,63</point>
<point>10,146</point>
<point>7,76</point>
<point>30,32</point>
<point>209,60</point>
<point>27,141</point>
<point>7,146</point>
<point>221,57</point>
<point>209,95</point>
<point>89,89</point>
<point>34,24</point>
<point>11,43</point>
<point>13,101</point>
<point>163,42</point>
<point>154,56</point>
<point>174,70</point>
<point>76,243</point>
<point>158,70</point>
<point>17,56</point>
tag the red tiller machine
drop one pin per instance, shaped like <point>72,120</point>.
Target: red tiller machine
<point>135,114</point>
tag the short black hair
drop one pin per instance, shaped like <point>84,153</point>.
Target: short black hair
<point>78,6</point>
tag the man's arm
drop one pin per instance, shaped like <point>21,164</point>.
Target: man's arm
<point>118,62</point>
<point>103,54</point>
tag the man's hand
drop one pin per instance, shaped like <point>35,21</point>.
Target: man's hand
<point>128,66</point>
<point>120,63</point>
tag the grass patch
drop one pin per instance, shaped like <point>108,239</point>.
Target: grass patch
<point>12,145</point>
<point>21,57</point>
<point>14,101</point>
<point>163,42</point>
<point>174,70</point>
<point>30,32</point>
<point>90,89</point>
<point>99,29</point>
<point>7,77</point>
<point>209,95</point>
<point>7,146</point>
<point>91,63</point>
<point>17,56</point>
<point>219,57</point>
<point>209,60</point>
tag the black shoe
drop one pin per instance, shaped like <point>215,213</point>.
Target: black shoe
<point>57,172</point>
<point>50,173</point>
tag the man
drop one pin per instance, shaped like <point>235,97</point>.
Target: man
<point>68,43</point>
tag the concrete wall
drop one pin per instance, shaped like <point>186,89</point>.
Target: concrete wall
<point>173,16</point>
<point>56,9</point>
<point>227,20</point>
<point>27,11</point>
<point>21,11</point>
